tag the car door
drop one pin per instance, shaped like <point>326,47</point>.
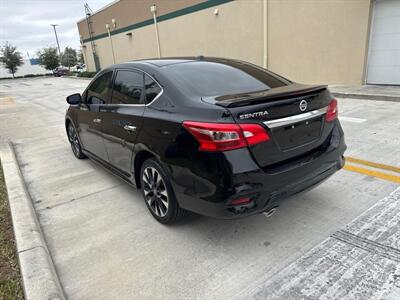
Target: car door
<point>89,118</point>
<point>122,118</point>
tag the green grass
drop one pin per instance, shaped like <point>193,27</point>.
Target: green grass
<point>10,278</point>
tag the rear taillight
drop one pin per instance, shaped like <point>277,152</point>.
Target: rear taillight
<point>332,111</point>
<point>241,201</point>
<point>225,136</point>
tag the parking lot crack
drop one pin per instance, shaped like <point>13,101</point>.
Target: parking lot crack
<point>32,248</point>
<point>368,245</point>
<point>79,198</point>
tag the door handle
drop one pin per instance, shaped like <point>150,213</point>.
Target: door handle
<point>97,121</point>
<point>130,128</point>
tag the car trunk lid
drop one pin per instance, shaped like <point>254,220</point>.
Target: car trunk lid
<point>292,115</point>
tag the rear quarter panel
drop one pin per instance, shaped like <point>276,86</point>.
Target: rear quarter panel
<point>201,174</point>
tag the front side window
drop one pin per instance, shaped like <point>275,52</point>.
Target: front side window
<point>152,89</point>
<point>99,90</point>
<point>128,88</point>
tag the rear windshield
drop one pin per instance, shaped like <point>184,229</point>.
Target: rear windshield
<point>217,79</point>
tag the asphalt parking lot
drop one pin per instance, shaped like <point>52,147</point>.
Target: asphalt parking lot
<point>105,244</point>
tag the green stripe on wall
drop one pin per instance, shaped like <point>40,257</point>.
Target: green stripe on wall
<point>168,16</point>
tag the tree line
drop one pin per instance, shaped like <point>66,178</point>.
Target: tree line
<point>48,57</point>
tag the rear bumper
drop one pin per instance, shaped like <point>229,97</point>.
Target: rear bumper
<point>265,186</point>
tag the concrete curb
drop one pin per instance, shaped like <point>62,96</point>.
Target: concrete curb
<point>366,96</point>
<point>39,276</point>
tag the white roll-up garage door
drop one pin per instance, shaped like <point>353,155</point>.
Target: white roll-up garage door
<point>384,49</point>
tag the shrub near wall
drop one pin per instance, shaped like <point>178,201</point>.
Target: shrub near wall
<point>36,75</point>
<point>27,76</point>
<point>87,74</point>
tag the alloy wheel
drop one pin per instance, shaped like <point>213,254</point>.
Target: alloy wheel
<point>155,191</point>
<point>73,139</point>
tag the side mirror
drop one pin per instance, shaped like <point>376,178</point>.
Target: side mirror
<point>74,99</point>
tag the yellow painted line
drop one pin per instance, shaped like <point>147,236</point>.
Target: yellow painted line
<point>372,164</point>
<point>377,174</point>
<point>6,100</point>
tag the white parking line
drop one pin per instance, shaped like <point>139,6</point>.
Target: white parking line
<point>352,120</point>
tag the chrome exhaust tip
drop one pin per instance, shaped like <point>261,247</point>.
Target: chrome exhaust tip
<point>268,213</point>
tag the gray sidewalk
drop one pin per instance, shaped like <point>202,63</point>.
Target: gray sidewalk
<point>371,92</point>
<point>361,261</point>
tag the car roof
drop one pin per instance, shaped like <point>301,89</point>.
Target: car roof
<point>156,63</point>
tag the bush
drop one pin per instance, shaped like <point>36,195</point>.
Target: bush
<point>87,74</point>
<point>36,75</point>
<point>27,76</point>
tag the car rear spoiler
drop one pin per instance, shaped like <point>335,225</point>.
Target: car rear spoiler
<point>291,90</point>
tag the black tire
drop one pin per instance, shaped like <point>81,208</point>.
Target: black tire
<point>158,193</point>
<point>74,141</point>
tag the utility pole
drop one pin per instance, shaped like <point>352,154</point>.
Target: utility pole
<point>55,32</point>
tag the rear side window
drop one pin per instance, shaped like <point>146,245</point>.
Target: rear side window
<point>152,89</point>
<point>99,90</point>
<point>217,79</point>
<point>128,87</point>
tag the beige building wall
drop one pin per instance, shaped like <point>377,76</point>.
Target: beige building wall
<point>236,32</point>
<point>310,41</point>
<point>88,57</point>
<point>322,41</point>
<point>127,12</point>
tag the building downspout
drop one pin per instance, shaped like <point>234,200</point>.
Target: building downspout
<point>368,42</point>
<point>153,10</point>
<point>111,43</point>
<point>265,34</point>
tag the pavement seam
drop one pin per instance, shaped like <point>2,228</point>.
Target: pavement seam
<point>39,275</point>
<point>366,96</point>
<point>76,199</point>
<point>32,248</point>
<point>279,283</point>
<point>367,245</point>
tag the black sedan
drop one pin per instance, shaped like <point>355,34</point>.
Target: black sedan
<point>219,137</point>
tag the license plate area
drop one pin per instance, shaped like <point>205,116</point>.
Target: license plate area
<point>298,134</point>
